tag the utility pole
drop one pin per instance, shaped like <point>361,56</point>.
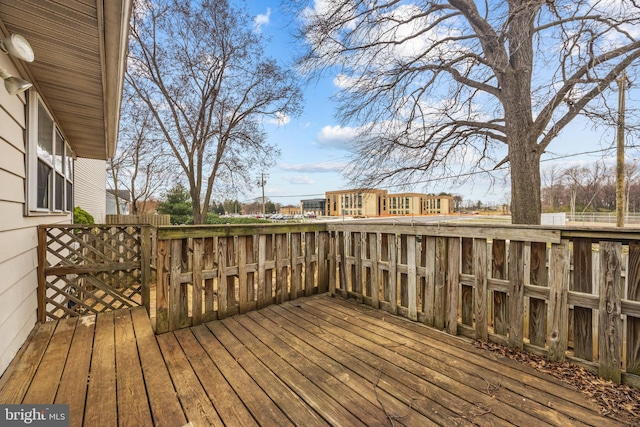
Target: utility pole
<point>620,194</point>
<point>262,183</point>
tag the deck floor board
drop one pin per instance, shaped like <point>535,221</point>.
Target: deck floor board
<point>473,386</point>
<point>73,385</point>
<point>467,363</point>
<point>315,361</point>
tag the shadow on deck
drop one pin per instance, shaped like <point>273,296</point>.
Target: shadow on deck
<point>313,361</point>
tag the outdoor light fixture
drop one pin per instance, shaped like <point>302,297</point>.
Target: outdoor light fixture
<point>14,85</point>
<point>18,46</point>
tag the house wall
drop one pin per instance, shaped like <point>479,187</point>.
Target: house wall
<point>90,183</point>
<point>18,233</point>
<point>112,209</point>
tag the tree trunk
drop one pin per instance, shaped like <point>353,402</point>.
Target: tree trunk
<point>196,208</point>
<point>525,186</point>
<point>524,157</point>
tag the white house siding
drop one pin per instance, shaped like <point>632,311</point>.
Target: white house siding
<point>90,183</point>
<point>18,233</point>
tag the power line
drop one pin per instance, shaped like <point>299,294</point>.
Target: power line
<point>461,175</point>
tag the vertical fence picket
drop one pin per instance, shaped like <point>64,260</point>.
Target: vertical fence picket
<point>384,259</point>
<point>175,288</point>
<point>366,265</point>
<point>453,285</point>
<point>480,304</point>
<point>412,288</point>
<point>198,263</point>
<point>269,255</point>
<point>208,264</point>
<point>323,261</point>
<point>162,287</point>
<point>467,291</point>
<point>332,263</point>
<point>582,282</point>
<point>309,264</point>
<point>145,260</point>
<point>343,264</point>
<point>296,267</point>
<point>393,273</point>
<point>537,307</point>
<point>499,271</point>
<point>262,296</point>
<point>558,298</point>
<point>374,272</point>
<point>223,300</point>
<point>440,288</point>
<point>250,258</point>
<point>356,281</point>
<point>244,243</point>
<point>429,263</point>
<point>633,323</point>
<point>282,273</point>
<point>516,293</point>
<point>404,278</point>
<point>609,322</point>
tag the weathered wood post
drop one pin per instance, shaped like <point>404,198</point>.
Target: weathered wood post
<point>516,294</point>
<point>537,307</point>
<point>558,295</point>
<point>610,323</point>
<point>453,285</point>
<point>480,305</point>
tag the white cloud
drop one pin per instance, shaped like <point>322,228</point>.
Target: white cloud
<point>300,180</point>
<point>337,137</point>
<point>323,167</point>
<point>280,119</point>
<point>260,20</point>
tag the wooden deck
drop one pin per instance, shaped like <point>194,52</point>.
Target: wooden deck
<point>313,361</point>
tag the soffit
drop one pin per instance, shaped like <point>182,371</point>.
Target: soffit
<point>80,52</point>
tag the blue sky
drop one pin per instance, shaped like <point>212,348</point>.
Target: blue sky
<point>311,153</point>
<point>313,145</point>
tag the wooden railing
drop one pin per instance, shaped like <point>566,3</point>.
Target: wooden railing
<point>89,269</point>
<point>210,272</point>
<point>140,219</point>
<point>564,293</point>
<point>558,292</point>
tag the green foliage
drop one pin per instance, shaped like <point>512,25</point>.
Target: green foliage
<point>80,216</point>
<point>177,203</point>
<point>231,206</point>
<point>215,219</point>
<point>217,208</point>
<point>270,207</point>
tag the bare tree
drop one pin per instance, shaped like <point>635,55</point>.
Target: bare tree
<point>552,187</point>
<point>449,85</point>
<point>201,71</point>
<point>141,164</point>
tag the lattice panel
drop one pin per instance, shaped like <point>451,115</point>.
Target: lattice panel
<point>91,269</point>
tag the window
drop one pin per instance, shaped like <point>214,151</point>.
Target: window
<point>50,163</point>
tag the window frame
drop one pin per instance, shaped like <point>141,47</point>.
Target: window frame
<point>61,166</point>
